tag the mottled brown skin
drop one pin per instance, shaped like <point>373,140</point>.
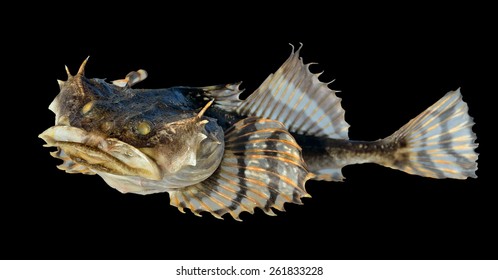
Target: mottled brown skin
<point>115,112</point>
<point>322,151</point>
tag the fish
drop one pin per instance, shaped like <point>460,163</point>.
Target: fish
<point>216,153</point>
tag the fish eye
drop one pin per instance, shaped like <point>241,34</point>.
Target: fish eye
<point>143,128</point>
<point>88,106</point>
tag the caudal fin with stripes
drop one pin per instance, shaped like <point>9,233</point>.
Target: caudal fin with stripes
<point>438,143</point>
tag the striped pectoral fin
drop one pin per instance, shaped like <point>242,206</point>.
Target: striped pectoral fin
<point>438,143</point>
<point>262,168</point>
<point>296,97</point>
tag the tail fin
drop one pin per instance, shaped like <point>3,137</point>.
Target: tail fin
<point>438,143</point>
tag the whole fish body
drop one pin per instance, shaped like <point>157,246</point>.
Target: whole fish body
<point>213,152</point>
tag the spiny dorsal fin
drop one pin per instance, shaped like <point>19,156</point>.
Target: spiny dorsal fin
<point>296,97</point>
<point>225,97</point>
<point>262,168</point>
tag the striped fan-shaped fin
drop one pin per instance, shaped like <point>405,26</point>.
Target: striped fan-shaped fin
<point>296,97</point>
<point>262,168</point>
<point>438,143</point>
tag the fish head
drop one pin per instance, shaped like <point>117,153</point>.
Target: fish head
<point>78,94</point>
<point>138,141</point>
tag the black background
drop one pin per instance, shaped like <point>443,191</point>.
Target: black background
<point>389,65</point>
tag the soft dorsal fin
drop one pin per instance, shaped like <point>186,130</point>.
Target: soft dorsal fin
<point>296,97</point>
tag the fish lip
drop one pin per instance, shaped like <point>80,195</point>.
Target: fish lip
<point>101,154</point>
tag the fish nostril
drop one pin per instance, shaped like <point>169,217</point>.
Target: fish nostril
<point>88,106</point>
<point>106,126</point>
<point>143,128</point>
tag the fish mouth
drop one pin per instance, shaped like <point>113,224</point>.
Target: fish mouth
<point>77,148</point>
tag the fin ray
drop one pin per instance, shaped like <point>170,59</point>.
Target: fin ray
<point>439,142</point>
<point>225,97</point>
<point>296,97</point>
<point>265,174</point>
